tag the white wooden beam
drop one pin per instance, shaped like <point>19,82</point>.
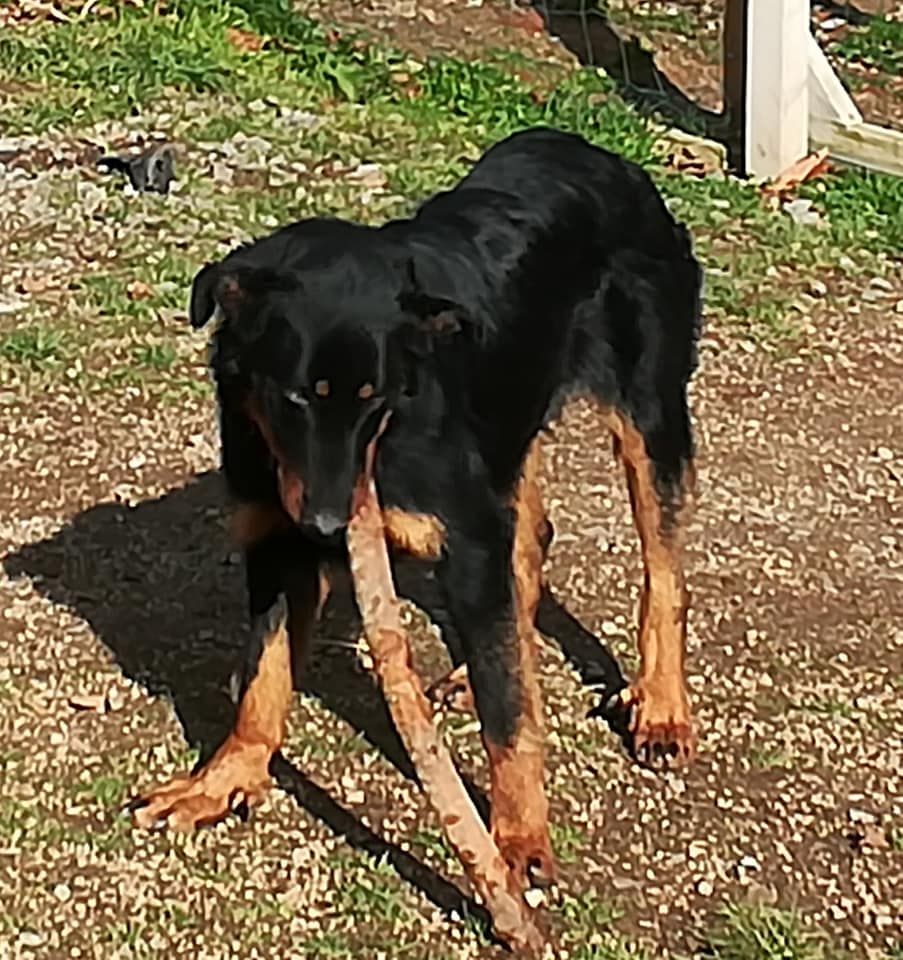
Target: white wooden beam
<point>828,97</point>
<point>836,123</point>
<point>861,144</point>
<point>776,128</point>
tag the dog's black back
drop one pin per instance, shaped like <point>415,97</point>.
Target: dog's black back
<point>580,281</point>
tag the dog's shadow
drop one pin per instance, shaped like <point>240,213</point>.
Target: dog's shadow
<point>160,588</point>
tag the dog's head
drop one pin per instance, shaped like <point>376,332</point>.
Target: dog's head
<point>319,360</point>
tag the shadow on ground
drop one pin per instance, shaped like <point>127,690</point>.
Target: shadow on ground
<point>160,588</point>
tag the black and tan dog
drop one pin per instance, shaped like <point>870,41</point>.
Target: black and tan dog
<point>432,351</point>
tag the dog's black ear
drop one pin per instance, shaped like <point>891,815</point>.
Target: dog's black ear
<point>435,315</point>
<point>230,288</point>
<point>203,298</point>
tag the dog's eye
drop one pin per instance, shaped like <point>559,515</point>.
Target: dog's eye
<point>296,397</point>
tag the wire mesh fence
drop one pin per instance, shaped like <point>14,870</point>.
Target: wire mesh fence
<point>670,54</point>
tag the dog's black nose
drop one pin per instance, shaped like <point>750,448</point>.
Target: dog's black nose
<point>327,523</point>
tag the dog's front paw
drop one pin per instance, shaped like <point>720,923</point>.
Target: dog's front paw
<point>661,724</point>
<point>529,857</point>
<point>236,776</point>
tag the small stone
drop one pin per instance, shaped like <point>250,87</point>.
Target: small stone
<point>625,883</point>
<point>862,816</point>
<point>62,892</point>
<point>29,938</point>
<point>534,898</point>
<point>884,454</point>
<point>222,173</point>
<point>705,888</point>
<point>696,850</point>
<point>138,461</point>
<point>817,288</point>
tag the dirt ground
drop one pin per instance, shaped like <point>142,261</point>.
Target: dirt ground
<point>123,619</point>
<point>118,570</point>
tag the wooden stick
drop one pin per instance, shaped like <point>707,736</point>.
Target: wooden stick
<point>413,716</point>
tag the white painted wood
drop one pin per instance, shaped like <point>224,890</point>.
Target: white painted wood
<point>836,123</point>
<point>861,144</point>
<point>776,130</point>
<point>828,97</point>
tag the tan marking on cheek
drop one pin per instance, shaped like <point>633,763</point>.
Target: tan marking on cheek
<point>291,489</point>
<point>321,388</point>
<point>366,391</point>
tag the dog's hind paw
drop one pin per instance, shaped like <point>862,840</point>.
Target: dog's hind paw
<point>236,778</point>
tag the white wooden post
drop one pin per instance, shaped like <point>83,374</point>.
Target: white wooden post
<point>783,98</point>
<point>776,127</point>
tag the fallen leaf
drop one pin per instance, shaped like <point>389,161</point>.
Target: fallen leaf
<point>874,836</point>
<point>696,156</point>
<point>684,160</point>
<point>244,40</point>
<point>33,283</point>
<point>812,166</point>
<point>94,702</point>
<point>368,175</point>
<point>139,290</point>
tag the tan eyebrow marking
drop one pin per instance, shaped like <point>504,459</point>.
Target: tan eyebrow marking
<point>321,388</point>
<point>366,391</point>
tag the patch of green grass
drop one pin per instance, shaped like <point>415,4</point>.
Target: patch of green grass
<point>765,933</point>
<point>432,841</point>
<point>35,347</point>
<point>372,890</point>
<point>10,758</point>
<point>33,827</point>
<point>108,790</point>
<point>567,842</point>
<point>590,922</point>
<point>862,207</point>
<point>895,836</point>
<point>262,908</point>
<point>770,759</point>
<point>130,934</point>
<point>587,912</point>
<point>329,946</point>
<point>878,44</point>
<point>651,17</point>
<point>156,356</point>
<point>180,918</point>
<point>827,707</point>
